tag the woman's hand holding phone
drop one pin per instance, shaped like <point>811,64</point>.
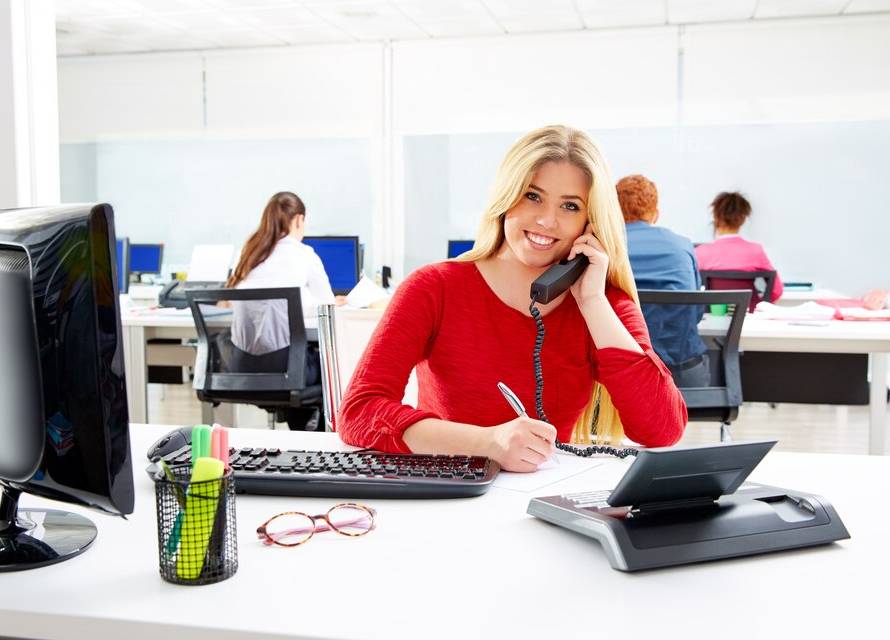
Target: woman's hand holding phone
<point>522,444</point>
<point>592,283</point>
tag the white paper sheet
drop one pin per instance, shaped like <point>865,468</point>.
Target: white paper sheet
<point>569,465</point>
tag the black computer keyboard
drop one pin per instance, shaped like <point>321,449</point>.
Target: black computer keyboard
<point>354,474</point>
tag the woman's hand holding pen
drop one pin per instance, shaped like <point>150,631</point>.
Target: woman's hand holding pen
<point>592,283</point>
<point>522,444</point>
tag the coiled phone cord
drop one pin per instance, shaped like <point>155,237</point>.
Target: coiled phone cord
<point>584,452</point>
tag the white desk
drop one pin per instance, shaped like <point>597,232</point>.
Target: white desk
<point>757,335</point>
<point>794,297</point>
<point>835,336</point>
<point>141,325</point>
<point>474,568</point>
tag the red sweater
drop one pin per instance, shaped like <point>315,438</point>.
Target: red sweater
<point>445,320</point>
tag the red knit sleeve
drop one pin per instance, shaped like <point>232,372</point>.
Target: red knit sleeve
<point>372,413</point>
<point>651,407</point>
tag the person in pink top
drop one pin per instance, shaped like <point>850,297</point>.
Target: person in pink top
<point>730,251</point>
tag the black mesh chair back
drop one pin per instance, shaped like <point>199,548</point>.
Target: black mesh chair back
<point>759,282</point>
<point>281,384</point>
<point>721,399</point>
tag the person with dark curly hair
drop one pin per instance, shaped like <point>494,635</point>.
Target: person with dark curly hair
<point>664,260</point>
<point>729,251</point>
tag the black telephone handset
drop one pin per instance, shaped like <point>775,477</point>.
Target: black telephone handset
<point>558,278</point>
<point>173,295</point>
<point>548,286</point>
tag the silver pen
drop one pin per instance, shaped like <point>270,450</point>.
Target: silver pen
<point>514,401</point>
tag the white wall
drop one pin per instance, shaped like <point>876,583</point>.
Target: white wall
<point>644,92</point>
<point>812,186</point>
<point>184,192</point>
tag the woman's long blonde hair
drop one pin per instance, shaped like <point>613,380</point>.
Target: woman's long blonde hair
<point>563,144</point>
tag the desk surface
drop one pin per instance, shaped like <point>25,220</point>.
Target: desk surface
<point>478,567</point>
<point>830,336</point>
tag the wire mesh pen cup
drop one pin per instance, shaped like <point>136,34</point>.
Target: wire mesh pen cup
<point>197,533</point>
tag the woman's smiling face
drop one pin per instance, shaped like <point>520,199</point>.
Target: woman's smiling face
<point>541,228</point>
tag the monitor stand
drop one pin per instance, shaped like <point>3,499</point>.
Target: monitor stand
<point>38,537</point>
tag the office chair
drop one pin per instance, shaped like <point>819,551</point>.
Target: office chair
<point>274,391</point>
<point>723,279</point>
<point>343,335</point>
<point>720,401</point>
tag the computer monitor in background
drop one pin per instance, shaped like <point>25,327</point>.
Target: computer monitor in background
<point>457,247</point>
<point>146,258</point>
<point>340,257</point>
<point>64,431</point>
<point>122,246</point>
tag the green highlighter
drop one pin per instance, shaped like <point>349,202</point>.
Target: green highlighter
<point>200,449</point>
<point>200,513</point>
<point>200,442</point>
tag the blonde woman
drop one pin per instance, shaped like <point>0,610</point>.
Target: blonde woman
<point>466,325</point>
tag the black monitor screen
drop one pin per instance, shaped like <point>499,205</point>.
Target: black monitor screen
<point>457,247</point>
<point>340,257</point>
<point>86,456</point>
<point>146,258</point>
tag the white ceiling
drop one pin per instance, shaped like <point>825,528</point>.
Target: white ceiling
<point>86,27</point>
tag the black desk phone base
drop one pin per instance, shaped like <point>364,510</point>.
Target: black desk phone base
<point>683,505</point>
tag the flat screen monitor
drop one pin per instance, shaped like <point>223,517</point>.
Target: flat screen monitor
<point>122,246</point>
<point>457,247</point>
<point>340,257</point>
<point>146,258</point>
<point>64,431</point>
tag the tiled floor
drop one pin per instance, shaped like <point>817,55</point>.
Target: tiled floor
<point>811,428</point>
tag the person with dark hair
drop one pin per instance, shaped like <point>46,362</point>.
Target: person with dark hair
<point>664,260</point>
<point>275,257</point>
<point>729,251</point>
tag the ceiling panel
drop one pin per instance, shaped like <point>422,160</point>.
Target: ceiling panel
<point>311,34</point>
<point>367,20</point>
<point>793,8</point>
<point>697,11</point>
<point>437,11</point>
<point>530,23</point>
<point>599,14</point>
<point>161,25</point>
<point>867,6</point>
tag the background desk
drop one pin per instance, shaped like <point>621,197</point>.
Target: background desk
<point>872,338</point>
<point>794,297</point>
<point>143,325</point>
<point>473,568</point>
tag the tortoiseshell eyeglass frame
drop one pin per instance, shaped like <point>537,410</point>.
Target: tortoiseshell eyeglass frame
<point>263,534</point>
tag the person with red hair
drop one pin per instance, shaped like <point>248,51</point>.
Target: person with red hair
<point>664,260</point>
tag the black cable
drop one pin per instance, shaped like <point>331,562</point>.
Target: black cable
<point>585,452</point>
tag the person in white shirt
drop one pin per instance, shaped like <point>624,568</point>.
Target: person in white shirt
<point>274,257</point>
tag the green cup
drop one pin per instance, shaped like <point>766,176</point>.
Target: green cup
<point>718,309</point>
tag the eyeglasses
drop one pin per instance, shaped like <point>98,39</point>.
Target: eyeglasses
<point>293,528</point>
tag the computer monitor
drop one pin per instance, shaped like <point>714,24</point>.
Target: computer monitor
<point>457,247</point>
<point>122,245</point>
<point>64,430</point>
<point>340,257</point>
<point>146,258</point>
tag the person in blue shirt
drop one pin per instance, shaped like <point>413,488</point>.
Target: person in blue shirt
<point>662,259</point>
